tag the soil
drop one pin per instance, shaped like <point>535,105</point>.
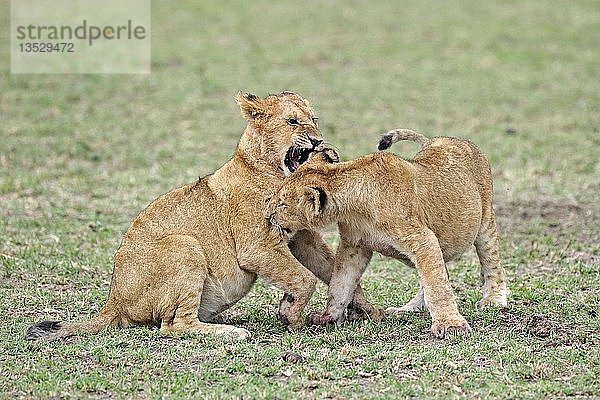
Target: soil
<point>561,230</point>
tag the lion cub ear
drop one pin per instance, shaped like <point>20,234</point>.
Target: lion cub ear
<point>315,198</point>
<point>251,105</point>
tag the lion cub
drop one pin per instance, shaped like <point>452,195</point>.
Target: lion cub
<point>198,249</point>
<point>423,212</point>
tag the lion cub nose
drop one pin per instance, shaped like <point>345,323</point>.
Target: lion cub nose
<point>315,142</point>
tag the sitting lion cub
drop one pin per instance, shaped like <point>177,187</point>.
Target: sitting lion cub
<point>422,212</point>
<point>198,249</point>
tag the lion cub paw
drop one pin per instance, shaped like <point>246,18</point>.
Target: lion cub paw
<point>446,327</point>
<point>407,308</point>
<point>289,314</point>
<point>492,301</point>
<point>237,333</point>
<point>292,322</point>
<point>324,318</point>
<point>372,313</point>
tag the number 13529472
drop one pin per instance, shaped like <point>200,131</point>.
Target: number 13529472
<point>34,47</point>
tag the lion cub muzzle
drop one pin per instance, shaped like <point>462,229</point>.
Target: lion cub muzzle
<point>300,151</point>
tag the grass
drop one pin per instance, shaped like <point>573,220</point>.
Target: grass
<point>81,155</point>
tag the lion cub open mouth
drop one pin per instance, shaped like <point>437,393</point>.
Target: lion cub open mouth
<point>296,156</point>
<point>300,151</point>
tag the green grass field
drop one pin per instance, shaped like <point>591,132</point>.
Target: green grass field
<point>81,155</point>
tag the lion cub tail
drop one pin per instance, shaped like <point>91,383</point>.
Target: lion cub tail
<point>55,329</point>
<point>396,135</point>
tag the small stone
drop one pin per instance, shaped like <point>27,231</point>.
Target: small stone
<point>292,357</point>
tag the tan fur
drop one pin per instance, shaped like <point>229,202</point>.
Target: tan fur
<point>197,250</point>
<point>422,212</point>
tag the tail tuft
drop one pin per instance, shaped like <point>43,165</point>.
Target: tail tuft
<point>385,142</point>
<point>397,135</point>
<point>50,330</point>
<point>42,330</point>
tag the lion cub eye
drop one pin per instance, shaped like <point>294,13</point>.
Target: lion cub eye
<point>315,121</point>
<point>293,122</point>
<point>282,206</point>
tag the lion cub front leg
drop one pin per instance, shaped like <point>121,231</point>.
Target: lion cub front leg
<point>279,267</point>
<point>312,252</point>
<point>350,264</point>
<point>423,248</point>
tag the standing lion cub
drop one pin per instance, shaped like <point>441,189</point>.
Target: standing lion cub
<point>422,212</point>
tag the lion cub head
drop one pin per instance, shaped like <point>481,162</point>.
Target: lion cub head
<point>302,202</point>
<point>282,130</point>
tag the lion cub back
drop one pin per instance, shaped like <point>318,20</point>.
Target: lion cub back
<point>454,154</point>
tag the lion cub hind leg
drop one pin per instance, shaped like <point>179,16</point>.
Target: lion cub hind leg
<point>180,272</point>
<point>186,323</point>
<point>417,304</point>
<point>423,248</point>
<point>184,318</point>
<point>492,272</point>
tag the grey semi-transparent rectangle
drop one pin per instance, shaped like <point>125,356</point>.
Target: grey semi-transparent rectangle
<point>80,36</point>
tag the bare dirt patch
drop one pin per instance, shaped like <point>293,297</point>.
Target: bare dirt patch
<point>554,330</point>
<point>552,231</point>
<point>556,217</point>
